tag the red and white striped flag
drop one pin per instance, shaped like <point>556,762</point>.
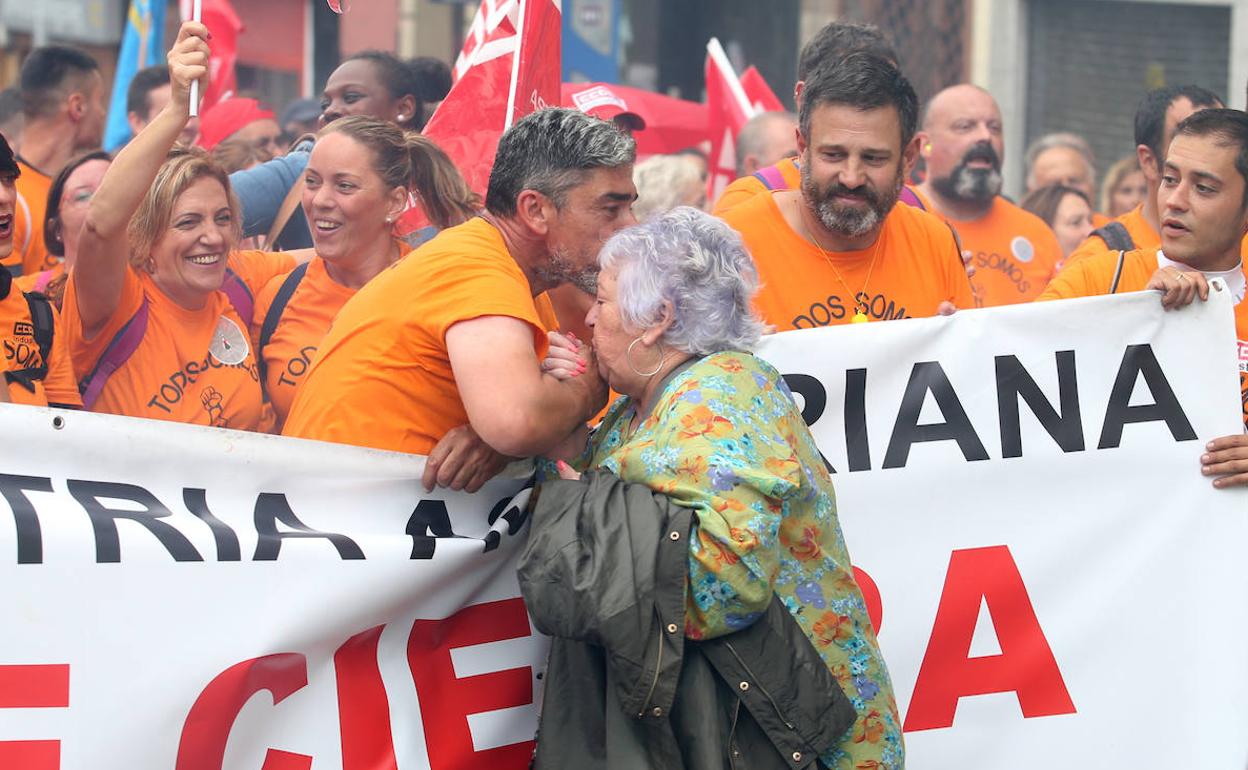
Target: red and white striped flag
<point>729,110</point>
<point>509,67</point>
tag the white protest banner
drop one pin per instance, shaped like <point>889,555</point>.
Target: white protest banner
<point>1055,581</point>
<point>195,599</point>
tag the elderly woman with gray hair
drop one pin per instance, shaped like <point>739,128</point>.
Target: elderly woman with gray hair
<point>695,578</point>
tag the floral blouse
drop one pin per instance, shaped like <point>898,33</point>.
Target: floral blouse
<point>726,438</point>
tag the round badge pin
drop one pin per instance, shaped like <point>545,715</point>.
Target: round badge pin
<point>229,344</point>
<point>1022,249</point>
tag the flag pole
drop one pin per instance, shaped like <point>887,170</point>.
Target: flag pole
<point>197,12</point>
<point>515,65</point>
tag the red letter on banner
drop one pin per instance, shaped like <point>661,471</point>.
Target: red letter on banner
<point>27,687</point>
<point>871,597</point>
<point>1025,666</point>
<point>210,720</point>
<point>363,709</point>
<point>446,700</point>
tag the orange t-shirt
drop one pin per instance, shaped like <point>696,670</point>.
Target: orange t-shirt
<point>383,375</point>
<point>21,351</point>
<point>39,281</point>
<point>1092,277</point>
<point>192,366</point>
<point>1014,252</point>
<point>33,187</point>
<point>916,269</point>
<point>1099,220</point>
<point>304,322</point>
<point>748,186</point>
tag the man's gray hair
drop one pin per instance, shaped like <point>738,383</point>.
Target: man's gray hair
<point>700,265</point>
<point>551,151</point>
<point>1058,139</point>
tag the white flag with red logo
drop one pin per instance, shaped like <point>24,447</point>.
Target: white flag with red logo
<point>225,26</point>
<point>729,109</point>
<point>509,67</point>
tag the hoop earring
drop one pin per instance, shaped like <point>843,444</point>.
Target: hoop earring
<point>628,358</point>
<point>149,265</point>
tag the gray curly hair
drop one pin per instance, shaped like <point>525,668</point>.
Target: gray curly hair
<point>700,265</point>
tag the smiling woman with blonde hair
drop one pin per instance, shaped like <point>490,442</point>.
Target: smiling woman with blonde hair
<point>158,306</point>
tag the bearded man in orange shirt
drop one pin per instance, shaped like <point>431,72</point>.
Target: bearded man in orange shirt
<point>441,353</point>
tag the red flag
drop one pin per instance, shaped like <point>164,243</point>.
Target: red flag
<point>506,75</point>
<point>225,26</point>
<point>758,92</point>
<point>729,110</point>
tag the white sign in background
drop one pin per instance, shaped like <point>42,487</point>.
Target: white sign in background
<point>1129,560</point>
<point>1132,562</point>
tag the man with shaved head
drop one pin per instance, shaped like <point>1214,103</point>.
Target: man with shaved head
<point>1014,253</point>
<point>766,139</point>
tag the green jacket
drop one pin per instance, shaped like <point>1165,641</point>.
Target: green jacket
<point>604,573</point>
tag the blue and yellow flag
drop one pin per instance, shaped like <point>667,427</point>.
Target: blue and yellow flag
<point>142,45</point>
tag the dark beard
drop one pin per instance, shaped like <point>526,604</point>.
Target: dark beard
<point>849,221</point>
<point>973,185</point>
<point>560,269</point>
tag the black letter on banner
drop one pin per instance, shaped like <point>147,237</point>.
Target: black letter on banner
<point>29,536</point>
<point>430,516</point>
<point>104,519</point>
<point>1014,381</point>
<point>515,515</point>
<point>924,377</point>
<point>271,508</point>
<point>196,501</point>
<point>857,444</point>
<point>1140,360</point>
<point>815,397</point>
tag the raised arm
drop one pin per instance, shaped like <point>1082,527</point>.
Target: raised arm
<point>511,404</point>
<point>104,249</point>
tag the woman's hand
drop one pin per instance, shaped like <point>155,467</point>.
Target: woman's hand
<point>564,360</point>
<point>188,62</point>
<point>567,472</point>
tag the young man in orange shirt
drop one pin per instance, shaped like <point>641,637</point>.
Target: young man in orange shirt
<point>63,100</point>
<point>1204,217</point>
<point>837,249</point>
<point>453,335</point>
<point>35,368</point>
<point>1014,252</point>
<point>1160,111</point>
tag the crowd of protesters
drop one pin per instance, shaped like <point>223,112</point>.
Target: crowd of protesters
<point>244,270</point>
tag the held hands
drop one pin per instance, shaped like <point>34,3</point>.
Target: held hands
<point>1179,287</point>
<point>188,62</point>
<point>566,357</point>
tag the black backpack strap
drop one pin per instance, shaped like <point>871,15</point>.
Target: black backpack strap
<point>1113,285</point>
<point>274,316</point>
<point>44,324</point>
<point>1115,236</point>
